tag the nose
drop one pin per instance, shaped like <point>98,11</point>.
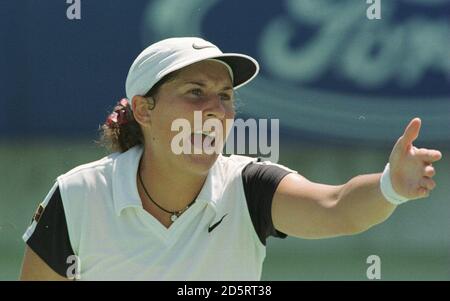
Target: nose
<point>214,108</point>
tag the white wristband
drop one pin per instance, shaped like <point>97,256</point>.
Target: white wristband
<point>387,189</point>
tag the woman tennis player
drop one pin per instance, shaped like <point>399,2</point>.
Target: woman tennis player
<point>146,212</point>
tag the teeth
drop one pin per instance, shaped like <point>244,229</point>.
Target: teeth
<point>210,134</point>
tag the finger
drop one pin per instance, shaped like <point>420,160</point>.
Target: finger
<point>411,132</point>
<point>429,171</point>
<point>427,183</point>
<point>428,155</point>
<point>423,192</point>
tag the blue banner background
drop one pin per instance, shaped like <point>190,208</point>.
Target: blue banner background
<point>60,77</point>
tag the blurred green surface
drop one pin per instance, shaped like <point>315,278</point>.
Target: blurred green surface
<point>413,244</point>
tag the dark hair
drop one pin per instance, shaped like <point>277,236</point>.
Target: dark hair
<point>120,136</point>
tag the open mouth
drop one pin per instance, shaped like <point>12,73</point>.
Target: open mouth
<point>200,139</point>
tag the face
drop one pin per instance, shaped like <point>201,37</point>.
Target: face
<point>204,87</point>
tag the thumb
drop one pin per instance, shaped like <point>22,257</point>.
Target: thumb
<point>411,132</point>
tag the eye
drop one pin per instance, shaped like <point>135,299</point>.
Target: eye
<point>225,96</point>
<point>196,92</point>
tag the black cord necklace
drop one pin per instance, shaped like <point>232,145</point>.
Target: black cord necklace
<point>173,214</point>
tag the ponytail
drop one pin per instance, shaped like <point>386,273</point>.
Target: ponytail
<point>121,131</point>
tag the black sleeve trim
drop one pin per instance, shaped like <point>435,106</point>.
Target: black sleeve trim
<point>50,238</point>
<point>260,183</point>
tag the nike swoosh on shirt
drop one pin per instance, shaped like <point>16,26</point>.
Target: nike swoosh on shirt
<point>216,224</point>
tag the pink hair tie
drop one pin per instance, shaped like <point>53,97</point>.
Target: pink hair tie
<point>119,116</point>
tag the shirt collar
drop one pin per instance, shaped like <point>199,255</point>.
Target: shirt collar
<point>212,188</point>
<point>125,192</point>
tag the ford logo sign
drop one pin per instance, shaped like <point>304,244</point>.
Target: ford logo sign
<point>326,69</point>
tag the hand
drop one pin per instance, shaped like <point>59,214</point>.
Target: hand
<point>411,167</point>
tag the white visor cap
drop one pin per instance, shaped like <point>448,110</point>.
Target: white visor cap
<point>169,55</point>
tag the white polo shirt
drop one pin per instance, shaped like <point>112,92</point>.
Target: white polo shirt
<point>116,239</point>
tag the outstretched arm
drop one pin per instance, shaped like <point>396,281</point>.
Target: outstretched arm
<point>306,209</point>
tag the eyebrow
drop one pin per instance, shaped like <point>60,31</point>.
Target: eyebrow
<point>202,84</point>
